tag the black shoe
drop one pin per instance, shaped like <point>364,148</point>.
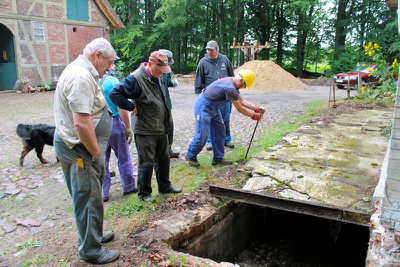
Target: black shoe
<point>221,162</point>
<point>134,190</point>
<point>106,199</point>
<point>112,173</point>
<point>105,257</point>
<point>229,145</point>
<point>172,191</point>
<point>148,198</point>
<point>173,154</point>
<point>192,162</point>
<point>209,147</point>
<point>107,237</point>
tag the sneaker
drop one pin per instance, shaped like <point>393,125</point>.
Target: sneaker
<point>221,162</point>
<point>105,257</point>
<point>173,154</point>
<point>134,190</point>
<point>106,199</point>
<point>192,162</point>
<point>209,147</point>
<point>229,145</point>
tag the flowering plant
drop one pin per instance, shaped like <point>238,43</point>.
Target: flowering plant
<point>23,80</point>
<point>386,73</point>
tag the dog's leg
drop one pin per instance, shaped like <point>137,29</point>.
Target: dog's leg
<point>23,154</point>
<point>39,151</point>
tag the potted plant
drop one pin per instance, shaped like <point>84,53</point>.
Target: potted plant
<point>24,84</point>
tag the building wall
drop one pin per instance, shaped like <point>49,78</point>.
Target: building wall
<point>64,39</point>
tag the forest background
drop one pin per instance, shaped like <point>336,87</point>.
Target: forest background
<point>307,36</point>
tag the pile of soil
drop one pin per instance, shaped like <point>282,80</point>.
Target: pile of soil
<point>271,77</point>
<point>321,82</point>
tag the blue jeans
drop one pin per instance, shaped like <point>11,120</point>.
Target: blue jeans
<point>208,121</point>
<point>226,113</point>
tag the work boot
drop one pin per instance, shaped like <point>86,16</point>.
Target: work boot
<point>173,154</point>
<point>209,147</point>
<point>192,162</point>
<point>106,199</point>
<point>173,190</point>
<point>148,198</point>
<point>221,162</point>
<point>112,173</point>
<point>133,191</point>
<point>229,145</point>
<point>105,257</point>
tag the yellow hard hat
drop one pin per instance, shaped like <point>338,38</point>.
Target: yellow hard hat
<point>248,77</point>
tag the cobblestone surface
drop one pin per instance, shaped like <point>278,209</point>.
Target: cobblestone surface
<point>41,183</point>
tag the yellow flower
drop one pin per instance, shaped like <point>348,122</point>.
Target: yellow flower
<point>368,90</point>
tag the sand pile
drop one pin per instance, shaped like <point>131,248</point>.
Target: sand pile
<point>271,77</point>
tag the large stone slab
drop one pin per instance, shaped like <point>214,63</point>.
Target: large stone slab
<point>336,163</point>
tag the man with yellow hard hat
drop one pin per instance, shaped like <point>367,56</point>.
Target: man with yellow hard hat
<point>208,116</point>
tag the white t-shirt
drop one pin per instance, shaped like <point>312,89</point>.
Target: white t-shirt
<point>77,91</point>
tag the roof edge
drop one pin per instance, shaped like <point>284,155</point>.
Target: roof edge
<point>108,11</point>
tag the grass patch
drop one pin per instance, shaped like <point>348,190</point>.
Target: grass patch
<point>37,260</point>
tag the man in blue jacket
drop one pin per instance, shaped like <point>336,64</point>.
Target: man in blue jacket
<point>214,66</point>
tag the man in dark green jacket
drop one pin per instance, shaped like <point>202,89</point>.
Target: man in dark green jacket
<point>150,122</point>
<point>169,82</point>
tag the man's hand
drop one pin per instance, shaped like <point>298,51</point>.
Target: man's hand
<point>257,116</point>
<point>129,135</point>
<point>259,109</point>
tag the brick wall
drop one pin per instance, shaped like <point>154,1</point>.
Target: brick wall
<point>79,37</point>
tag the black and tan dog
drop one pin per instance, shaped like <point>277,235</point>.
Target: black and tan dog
<point>35,136</point>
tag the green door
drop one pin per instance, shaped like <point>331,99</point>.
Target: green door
<point>8,70</point>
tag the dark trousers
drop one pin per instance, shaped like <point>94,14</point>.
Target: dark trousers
<point>153,154</point>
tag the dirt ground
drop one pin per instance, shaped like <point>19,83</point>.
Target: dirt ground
<point>56,237</point>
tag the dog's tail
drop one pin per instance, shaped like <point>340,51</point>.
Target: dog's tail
<point>23,131</point>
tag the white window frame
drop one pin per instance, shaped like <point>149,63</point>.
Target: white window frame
<point>38,31</point>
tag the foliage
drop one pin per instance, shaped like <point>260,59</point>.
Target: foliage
<point>302,32</point>
<point>387,130</point>
<point>23,80</point>
<point>386,74</point>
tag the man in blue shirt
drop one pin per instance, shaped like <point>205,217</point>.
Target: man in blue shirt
<point>209,118</point>
<point>120,138</point>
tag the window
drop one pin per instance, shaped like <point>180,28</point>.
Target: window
<point>78,10</point>
<point>38,31</point>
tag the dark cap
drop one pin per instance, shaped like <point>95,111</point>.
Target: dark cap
<point>168,54</point>
<point>212,45</point>
<point>161,60</point>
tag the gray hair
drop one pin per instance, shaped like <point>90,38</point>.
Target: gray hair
<point>99,44</point>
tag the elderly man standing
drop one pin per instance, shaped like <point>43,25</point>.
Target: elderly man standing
<point>83,126</point>
<point>214,66</point>
<point>150,122</point>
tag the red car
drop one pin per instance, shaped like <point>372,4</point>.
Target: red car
<point>341,79</point>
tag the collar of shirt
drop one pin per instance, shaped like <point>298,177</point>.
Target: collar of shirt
<point>148,72</point>
<point>89,66</point>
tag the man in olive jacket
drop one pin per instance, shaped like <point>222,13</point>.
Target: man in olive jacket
<point>150,122</point>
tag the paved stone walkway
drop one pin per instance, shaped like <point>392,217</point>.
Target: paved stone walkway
<point>24,182</point>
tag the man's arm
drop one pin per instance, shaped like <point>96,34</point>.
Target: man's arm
<point>84,128</point>
<point>231,72</point>
<point>242,109</point>
<point>127,89</point>
<point>124,115</point>
<point>199,80</point>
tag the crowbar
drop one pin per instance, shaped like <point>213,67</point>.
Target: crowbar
<point>251,140</point>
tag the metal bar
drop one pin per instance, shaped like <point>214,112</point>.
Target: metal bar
<point>292,205</point>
